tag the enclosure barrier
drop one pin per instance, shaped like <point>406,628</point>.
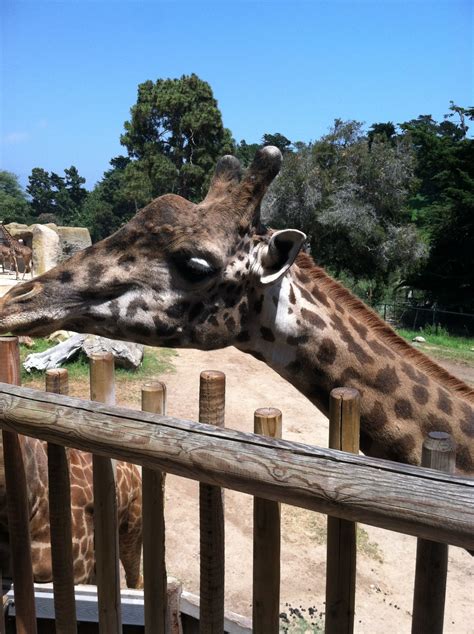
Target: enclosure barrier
<point>429,504</point>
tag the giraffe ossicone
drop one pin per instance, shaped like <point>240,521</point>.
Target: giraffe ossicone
<point>210,275</point>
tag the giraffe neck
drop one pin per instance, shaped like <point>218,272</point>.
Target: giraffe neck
<point>318,336</point>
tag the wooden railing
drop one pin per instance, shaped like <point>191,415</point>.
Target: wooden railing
<point>432,505</point>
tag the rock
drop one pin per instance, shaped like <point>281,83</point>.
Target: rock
<point>126,354</point>
<point>60,335</point>
<point>56,356</point>
<point>419,339</point>
<point>26,341</point>
<point>46,248</point>
<point>72,240</point>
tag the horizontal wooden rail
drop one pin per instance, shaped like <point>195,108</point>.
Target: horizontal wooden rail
<point>411,500</point>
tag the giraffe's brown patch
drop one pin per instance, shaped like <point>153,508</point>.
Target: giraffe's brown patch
<point>386,380</point>
<point>380,349</point>
<point>126,258</point>
<point>267,334</point>
<point>340,308</point>
<point>464,460</point>
<point>403,408</point>
<point>178,309</point>
<point>243,336</point>
<point>142,330</point>
<point>414,374</point>
<point>305,295</point>
<point>114,307</point>
<point>436,423</point>
<point>296,341</point>
<point>230,324</point>
<point>258,304</point>
<point>95,271</point>
<point>313,318</point>
<point>376,417</point>
<point>65,277</point>
<point>195,310</point>
<point>444,401</point>
<point>294,367</point>
<point>467,424</point>
<point>135,305</point>
<point>320,296</point>
<point>301,275</point>
<point>327,352</point>
<point>347,377</point>
<point>290,311</point>
<point>401,449</point>
<point>353,347</point>
<point>292,296</point>
<point>420,394</point>
<point>359,328</point>
<point>213,321</point>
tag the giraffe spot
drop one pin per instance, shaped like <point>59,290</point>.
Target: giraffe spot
<point>415,375</point>
<point>347,377</point>
<point>230,324</point>
<point>380,349</point>
<point>307,296</point>
<point>327,351</point>
<point>296,341</point>
<point>257,355</point>
<point>444,402</point>
<point>114,307</point>
<point>359,328</point>
<point>140,329</point>
<point>467,424</point>
<point>213,321</point>
<point>267,334</point>
<point>243,336</point>
<point>292,296</point>
<point>420,394</point>
<point>135,305</point>
<point>65,277</point>
<point>464,460</point>
<point>258,304</point>
<point>376,417</point>
<point>386,380</point>
<point>127,258</point>
<point>290,311</point>
<point>436,423</point>
<point>340,309</point>
<point>195,310</point>
<point>95,271</point>
<point>301,275</point>
<point>401,449</point>
<point>294,366</point>
<point>177,310</point>
<point>403,408</point>
<point>321,297</point>
<point>313,318</point>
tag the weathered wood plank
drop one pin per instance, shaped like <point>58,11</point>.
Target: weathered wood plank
<point>439,452</point>
<point>60,521</point>
<point>404,498</point>
<point>344,433</point>
<point>106,542</point>
<point>211,515</point>
<point>17,501</point>
<point>153,504</point>
<point>266,542</point>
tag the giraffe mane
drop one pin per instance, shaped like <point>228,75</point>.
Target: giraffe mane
<point>380,328</point>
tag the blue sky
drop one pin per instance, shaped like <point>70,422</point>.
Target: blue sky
<point>70,69</point>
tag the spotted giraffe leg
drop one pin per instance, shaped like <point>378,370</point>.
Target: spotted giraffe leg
<point>130,528</point>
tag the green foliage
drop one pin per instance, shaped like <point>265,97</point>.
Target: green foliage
<point>13,202</point>
<point>301,620</point>
<point>57,198</point>
<point>176,135</point>
<point>442,344</point>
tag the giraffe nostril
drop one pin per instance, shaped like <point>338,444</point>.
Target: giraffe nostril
<point>24,291</point>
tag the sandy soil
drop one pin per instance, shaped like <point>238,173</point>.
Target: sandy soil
<point>385,568</point>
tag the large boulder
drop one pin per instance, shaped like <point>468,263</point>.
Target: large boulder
<point>126,354</point>
<point>72,240</point>
<point>46,248</point>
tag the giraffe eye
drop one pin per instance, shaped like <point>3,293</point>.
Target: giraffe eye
<point>193,269</point>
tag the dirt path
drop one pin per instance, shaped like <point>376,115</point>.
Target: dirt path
<point>385,569</point>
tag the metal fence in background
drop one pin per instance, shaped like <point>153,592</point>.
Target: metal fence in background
<point>421,317</point>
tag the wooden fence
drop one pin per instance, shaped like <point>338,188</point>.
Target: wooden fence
<point>435,506</point>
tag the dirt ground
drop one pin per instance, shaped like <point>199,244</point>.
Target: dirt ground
<point>385,567</point>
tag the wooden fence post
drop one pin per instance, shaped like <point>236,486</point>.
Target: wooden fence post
<point>439,452</point>
<point>105,507</point>
<point>344,431</point>
<point>154,562</point>
<point>60,521</point>
<point>211,515</point>
<point>17,502</point>
<point>266,542</point>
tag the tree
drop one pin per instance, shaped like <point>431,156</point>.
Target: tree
<point>279,140</point>
<point>55,196</point>
<point>176,134</point>
<point>13,202</point>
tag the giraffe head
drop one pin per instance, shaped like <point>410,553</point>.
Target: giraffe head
<point>178,274</point>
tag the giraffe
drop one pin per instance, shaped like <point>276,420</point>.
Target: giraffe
<point>211,275</point>
<point>82,515</point>
<point>6,254</point>
<point>19,249</point>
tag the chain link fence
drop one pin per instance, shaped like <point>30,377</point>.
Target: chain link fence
<point>421,317</point>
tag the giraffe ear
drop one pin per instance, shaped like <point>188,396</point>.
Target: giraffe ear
<point>280,253</point>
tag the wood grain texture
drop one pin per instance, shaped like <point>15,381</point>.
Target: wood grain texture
<point>17,501</point>
<point>211,515</point>
<point>266,542</point>
<point>429,597</point>
<point>153,504</point>
<point>404,498</point>
<point>344,433</point>
<point>60,521</point>
<point>106,542</point>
